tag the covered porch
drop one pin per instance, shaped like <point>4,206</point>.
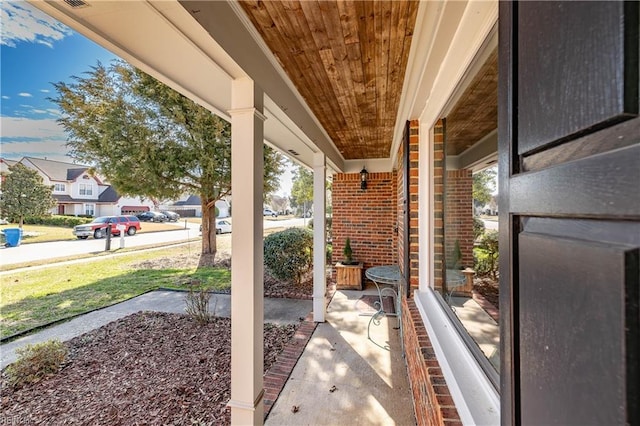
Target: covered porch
<point>338,87</point>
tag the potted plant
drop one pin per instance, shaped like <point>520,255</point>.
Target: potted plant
<point>348,253</point>
<point>349,271</point>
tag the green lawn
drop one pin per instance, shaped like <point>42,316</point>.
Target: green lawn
<point>34,298</point>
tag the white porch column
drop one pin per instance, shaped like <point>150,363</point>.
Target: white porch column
<point>319,237</point>
<point>247,290</point>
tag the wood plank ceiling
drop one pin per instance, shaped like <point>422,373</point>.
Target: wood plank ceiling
<point>347,59</point>
<point>476,113</point>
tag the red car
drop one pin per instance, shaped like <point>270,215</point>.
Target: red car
<point>98,228</point>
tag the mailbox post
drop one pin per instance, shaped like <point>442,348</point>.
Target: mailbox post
<point>121,228</point>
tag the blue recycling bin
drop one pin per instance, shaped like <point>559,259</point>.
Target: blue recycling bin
<point>13,236</point>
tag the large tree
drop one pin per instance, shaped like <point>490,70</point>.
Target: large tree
<point>151,141</point>
<point>302,189</point>
<point>24,194</point>
<point>484,183</point>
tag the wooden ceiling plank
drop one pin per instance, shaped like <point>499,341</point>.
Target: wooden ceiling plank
<point>320,33</point>
<point>383,29</point>
<point>332,20</point>
<point>366,34</point>
<point>396,71</point>
<point>349,21</point>
<point>314,88</point>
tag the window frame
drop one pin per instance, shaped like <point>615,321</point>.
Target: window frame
<point>86,209</point>
<point>56,189</point>
<point>85,189</point>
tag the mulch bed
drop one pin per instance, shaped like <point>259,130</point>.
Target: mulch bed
<point>145,369</point>
<point>489,289</point>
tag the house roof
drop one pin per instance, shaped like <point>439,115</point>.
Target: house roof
<point>57,170</point>
<point>193,200</point>
<point>109,195</point>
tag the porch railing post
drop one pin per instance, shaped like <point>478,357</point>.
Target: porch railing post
<point>247,303</point>
<point>319,237</point>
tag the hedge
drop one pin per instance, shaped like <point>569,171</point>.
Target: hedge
<point>56,220</point>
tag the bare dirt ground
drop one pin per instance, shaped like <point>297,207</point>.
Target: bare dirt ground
<point>145,369</point>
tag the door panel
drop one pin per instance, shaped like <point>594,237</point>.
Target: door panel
<point>569,148</point>
<point>567,84</point>
<point>583,286</point>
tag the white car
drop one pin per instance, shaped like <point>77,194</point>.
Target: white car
<point>269,212</point>
<point>223,226</point>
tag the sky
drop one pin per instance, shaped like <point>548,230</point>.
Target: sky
<point>35,52</point>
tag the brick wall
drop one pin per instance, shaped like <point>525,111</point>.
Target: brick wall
<point>432,401</point>
<point>459,215</point>
<point>411,205</point>
<point>368,217</point>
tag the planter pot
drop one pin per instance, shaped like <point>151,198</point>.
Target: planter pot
<point>349,277</point>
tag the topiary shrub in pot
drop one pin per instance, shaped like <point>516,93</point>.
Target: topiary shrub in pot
<point>288,254</point>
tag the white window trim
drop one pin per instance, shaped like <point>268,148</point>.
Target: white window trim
<point>64,187</point>
<point>477,401</point>
<point>87,188</point>
<point>93,209</point>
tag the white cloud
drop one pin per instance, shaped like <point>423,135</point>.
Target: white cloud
<point>53,111</point>
<point>45,90</point>
<point>5,97</point>
<point>53,150</point>
<point>25,95</point>
<point>38,111</point>
<point>23,22</point>
<point>18,127</point>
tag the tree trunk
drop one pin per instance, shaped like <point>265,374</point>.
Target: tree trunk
<point>209,247</point>
<point>21,222</point>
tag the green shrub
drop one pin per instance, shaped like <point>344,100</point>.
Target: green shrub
<point>288,254</point>
<point>56,220</point>
<point>36,362</point>
<point>486,255</point>
<point>478,228</point>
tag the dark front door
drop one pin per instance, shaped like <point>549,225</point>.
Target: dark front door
<point>569,213</point>
<point>60,208</point>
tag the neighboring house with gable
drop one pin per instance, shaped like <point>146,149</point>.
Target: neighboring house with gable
<point>80,192</point>
<point>191,206</point>
<point>4,166</point>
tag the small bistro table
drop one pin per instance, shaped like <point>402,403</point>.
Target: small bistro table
<point>388,275</point>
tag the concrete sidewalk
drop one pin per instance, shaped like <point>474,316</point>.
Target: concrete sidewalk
<point>279,311</point>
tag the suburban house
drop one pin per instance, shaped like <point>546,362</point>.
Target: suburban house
<point>4,166</point>
<point>402,101</point>
<point>80,192</point>
<point>191,206</point>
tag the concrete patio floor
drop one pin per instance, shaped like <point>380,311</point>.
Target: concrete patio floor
<point>369,375</point>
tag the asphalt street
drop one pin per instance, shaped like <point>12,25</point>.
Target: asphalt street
<point>58,249</point>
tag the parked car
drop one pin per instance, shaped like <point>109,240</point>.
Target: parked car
<point>152,217</point>
<point>223,226</point>
<point>98,228</point>
<point>171,216</point>
<point>269,212</point>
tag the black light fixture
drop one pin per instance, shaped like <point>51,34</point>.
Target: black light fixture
<point>363,178</point>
